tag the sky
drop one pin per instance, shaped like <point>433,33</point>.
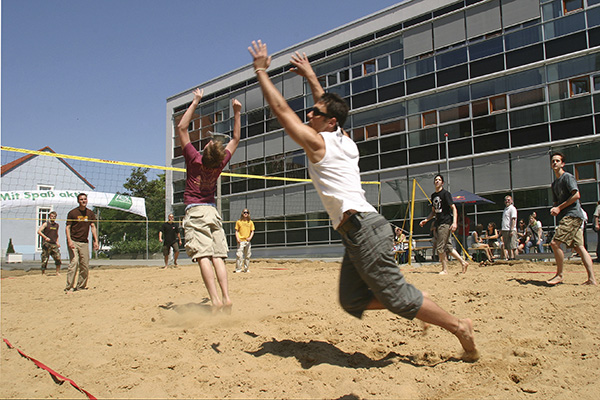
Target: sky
<point>91,78</point>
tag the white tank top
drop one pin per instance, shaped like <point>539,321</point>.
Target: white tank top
<point>337,177</point>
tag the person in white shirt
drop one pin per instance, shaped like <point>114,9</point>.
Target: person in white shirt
<point>369,278</point>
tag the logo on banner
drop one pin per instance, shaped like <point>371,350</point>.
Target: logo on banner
<point>121,201</point>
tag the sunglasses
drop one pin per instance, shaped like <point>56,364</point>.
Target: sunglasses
<point>246,212</point>
<point>316,112</point>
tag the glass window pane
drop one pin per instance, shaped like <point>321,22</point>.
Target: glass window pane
<point>579,86</point>
<point>420,67</point>
<point>485,48</point>
<point>391,76</point>
<point>528,116</point>
<point>454,113</point>
<point>527,97</point>
<point>363,84</point>
<point>480,108</point>
<point>498,103</point>
<point>392,127</point>
<point>451,58</point>
<point>383,63</point>
<point>523,37</point>
<point>397,58</point>
<point>564,26</point>
<point>572,5</point>
<point>558,90</point>
<point>414,122</point>
<point>552,10</point>
<point>429,118</point>
<point>571,108</point>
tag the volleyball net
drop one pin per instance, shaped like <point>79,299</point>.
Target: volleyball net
<point>45,178</point>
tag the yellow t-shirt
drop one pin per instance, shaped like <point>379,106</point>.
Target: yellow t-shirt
<point>244,229</point>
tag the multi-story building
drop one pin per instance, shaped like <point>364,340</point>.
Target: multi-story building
<point>478,90</point>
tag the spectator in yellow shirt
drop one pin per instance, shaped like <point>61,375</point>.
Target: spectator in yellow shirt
<point>244,231</point>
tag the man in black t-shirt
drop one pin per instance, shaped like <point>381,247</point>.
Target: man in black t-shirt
<point>444,210</point>
<point>169,236</point>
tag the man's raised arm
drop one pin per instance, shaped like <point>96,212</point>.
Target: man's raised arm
<point>303,68</point>
<point>302,134</point>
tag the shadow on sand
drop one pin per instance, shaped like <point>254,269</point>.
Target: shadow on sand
<point>317,352</point>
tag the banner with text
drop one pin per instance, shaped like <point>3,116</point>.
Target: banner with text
<point>12,199</point>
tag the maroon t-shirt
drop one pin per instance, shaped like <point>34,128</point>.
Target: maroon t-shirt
<point>201,182</point>
<point>80,222</point>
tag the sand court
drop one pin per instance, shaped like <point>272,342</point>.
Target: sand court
<point>144,332</point>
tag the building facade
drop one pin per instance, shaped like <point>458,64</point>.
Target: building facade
<point>478,90</point>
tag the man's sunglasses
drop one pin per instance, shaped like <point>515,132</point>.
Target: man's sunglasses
<point>316,112</point>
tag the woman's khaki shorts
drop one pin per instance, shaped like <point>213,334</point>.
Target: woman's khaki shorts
<point>204,235</point>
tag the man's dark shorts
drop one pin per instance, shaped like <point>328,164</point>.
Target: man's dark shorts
<point>167,248</point>
<point>369,270</point>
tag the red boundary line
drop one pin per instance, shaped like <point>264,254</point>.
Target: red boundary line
<point>52,372</point>
<point>542,272</point>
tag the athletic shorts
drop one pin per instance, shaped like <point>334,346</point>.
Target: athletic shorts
<point>443,243</point>
<point>167,248</point>
<point>569,231</point>
<point>370,271</point>
<point>204,235</point>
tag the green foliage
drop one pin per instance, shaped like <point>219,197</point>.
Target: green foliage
<point>10,249</point>
<point>136,246</point>
<point>120,226</point>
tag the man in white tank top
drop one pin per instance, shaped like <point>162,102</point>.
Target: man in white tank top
<point>369,277</point>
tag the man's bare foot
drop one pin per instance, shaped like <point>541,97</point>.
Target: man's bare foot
<point>444,272</point>
<point>227,308</point>
<point>589,282</point>
<point>465,336</point>
<point>465,265</point>
<point>555,281</point>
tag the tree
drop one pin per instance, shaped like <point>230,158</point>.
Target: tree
<point>115,225</point>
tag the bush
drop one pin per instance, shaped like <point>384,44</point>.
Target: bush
<point>136,246</point>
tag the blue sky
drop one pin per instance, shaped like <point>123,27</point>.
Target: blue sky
<point>91,78</point>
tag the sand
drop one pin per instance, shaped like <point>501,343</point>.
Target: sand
<point>143,332</point>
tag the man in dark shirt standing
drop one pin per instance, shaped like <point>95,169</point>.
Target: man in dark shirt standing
<point>79,222</point>
<point>169,237</point>
<point>50,246</point>
<point>444,210</point>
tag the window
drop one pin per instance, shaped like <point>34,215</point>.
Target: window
<point>393,127</point>
<point>527,97</point>
<point>498,103</point>
<point>480,108</point>
<point>572,5</point>
<point>42,216</point>
<point>579,85</point>
<point>454,113</point>
<point>430,118</point>
<point>372,131</point>
<point>585,172</point>
<point>369,67</point>
<point>191,126</point>
<point>45,187</point>
<point>597,83</point>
